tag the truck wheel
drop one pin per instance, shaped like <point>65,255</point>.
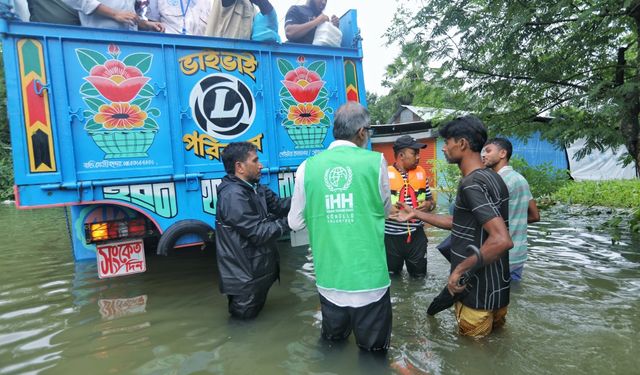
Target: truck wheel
<point>179,229</point>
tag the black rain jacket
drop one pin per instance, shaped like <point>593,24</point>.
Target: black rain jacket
<point>248,223</point>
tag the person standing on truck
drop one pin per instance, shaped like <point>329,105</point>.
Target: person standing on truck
<point>342,196</point>
<point>480,218</point>
<point>249,219</point>
<point>406,242</point>
<point>111,14</point>
<point>52,11</point>
<point>301,21</point>
<point>522,207</point>
<point>188,17</point>
<point>234,18</point>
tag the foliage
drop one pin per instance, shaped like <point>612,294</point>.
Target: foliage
<point>612,193</point>
<point>634,223</point>
<point>574,60</point>
<point>6,173</point>
<point>381,108</point>
<point>6,166</point>
<point>543,179</point>
<point>413,82</point>
<point>448,179</point>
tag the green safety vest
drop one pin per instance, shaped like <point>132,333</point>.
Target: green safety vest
<point>345,216</point>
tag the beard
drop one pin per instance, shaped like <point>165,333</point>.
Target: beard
<point>255,179</point>
<point>490,164</point>
<point>451,160</point>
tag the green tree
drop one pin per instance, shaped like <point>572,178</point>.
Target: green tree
<point>411,81</point>
<point>6,165</point>
<point>574,59</point>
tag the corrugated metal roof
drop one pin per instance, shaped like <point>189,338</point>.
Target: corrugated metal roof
<point>429,113</point>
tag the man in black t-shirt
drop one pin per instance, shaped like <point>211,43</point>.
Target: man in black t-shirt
<point>480,218</point>
<point>301,21</point>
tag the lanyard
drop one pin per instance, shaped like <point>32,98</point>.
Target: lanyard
<point>184,16</point>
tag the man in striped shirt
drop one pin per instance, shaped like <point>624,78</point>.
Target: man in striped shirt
<point>522,206</point>
<point>406,241</point>
<point>480,218</point>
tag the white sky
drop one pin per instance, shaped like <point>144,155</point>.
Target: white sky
<point>374,17</point>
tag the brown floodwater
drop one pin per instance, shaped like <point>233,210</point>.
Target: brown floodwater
<point>576,312</point>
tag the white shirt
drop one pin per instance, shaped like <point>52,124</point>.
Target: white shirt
<point>169,13</point>
<point>90,18</point>
<point>296,222</point>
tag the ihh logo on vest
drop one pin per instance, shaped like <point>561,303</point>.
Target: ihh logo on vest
<point>222,105</point>
<point>339,204</point>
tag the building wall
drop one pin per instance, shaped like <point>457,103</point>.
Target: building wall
<point>427,156</point>
<point>537,151</point>
<point>534,151</point>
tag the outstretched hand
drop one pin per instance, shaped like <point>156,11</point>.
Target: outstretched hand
<point>403,213</point>
<point>127,18</point>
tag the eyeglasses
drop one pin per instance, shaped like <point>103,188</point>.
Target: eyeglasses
<point>369,130</point>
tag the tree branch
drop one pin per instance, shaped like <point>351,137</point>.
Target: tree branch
<point>521,78</point>
<point>547,23</point>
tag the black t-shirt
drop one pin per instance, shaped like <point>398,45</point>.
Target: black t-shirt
<point>297,15</point>
<point>482,196</point>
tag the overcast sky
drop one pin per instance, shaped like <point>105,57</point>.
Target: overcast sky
<point>374,17</point>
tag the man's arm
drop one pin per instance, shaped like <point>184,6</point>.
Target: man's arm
<point>130,18</point>
<point>533,215</point>
<point>491,250</point>
<point>238,214</point>
<point>89,7</point>
<point>264,6</point>
<point>151,26</point>
<point>406,213</point>
<point>383,184</point>
<point>149,16</point>
<point>277,206</point>
<point>298,201</point>
<point>294,32</point>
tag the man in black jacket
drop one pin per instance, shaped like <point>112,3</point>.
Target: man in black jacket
<point>249,220</point>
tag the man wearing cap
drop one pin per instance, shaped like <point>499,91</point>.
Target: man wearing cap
<point>406,241</point>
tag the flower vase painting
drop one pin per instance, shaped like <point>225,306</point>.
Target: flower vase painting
<point>118,98</point>
<point>305,103</point>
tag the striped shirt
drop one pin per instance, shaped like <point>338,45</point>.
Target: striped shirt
<point>396,228</point>
<point>482,196</point>
<point>519,197</point>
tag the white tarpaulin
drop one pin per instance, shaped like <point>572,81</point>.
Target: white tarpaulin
<point>598,165</point>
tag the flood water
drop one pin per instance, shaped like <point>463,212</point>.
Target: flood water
<point>577,312</point>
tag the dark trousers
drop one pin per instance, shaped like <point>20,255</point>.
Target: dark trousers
<point>413,253</point>
<point>371,324</point>
<point>247,306</point>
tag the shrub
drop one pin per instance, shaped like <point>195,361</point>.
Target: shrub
<point>448,179</point>
<point>6,173</point>
<point>544,179</point>
<point>611,193</point>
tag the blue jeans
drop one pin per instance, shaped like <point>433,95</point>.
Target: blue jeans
<point>516,272</point>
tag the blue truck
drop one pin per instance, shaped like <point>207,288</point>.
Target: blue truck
<point>127,128</point>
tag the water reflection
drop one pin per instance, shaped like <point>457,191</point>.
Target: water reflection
<point>575,312</point>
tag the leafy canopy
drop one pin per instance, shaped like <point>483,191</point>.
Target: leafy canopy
<point>572,59</point>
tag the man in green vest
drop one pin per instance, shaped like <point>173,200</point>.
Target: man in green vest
<point>342,195</point>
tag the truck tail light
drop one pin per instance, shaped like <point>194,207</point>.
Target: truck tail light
<point>115,230</point>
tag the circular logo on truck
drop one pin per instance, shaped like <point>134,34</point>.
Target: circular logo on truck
<point>222,105</point>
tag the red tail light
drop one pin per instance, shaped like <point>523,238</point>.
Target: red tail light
<point>114,230</point>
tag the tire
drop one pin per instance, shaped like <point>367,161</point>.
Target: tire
<point>179,229</point>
